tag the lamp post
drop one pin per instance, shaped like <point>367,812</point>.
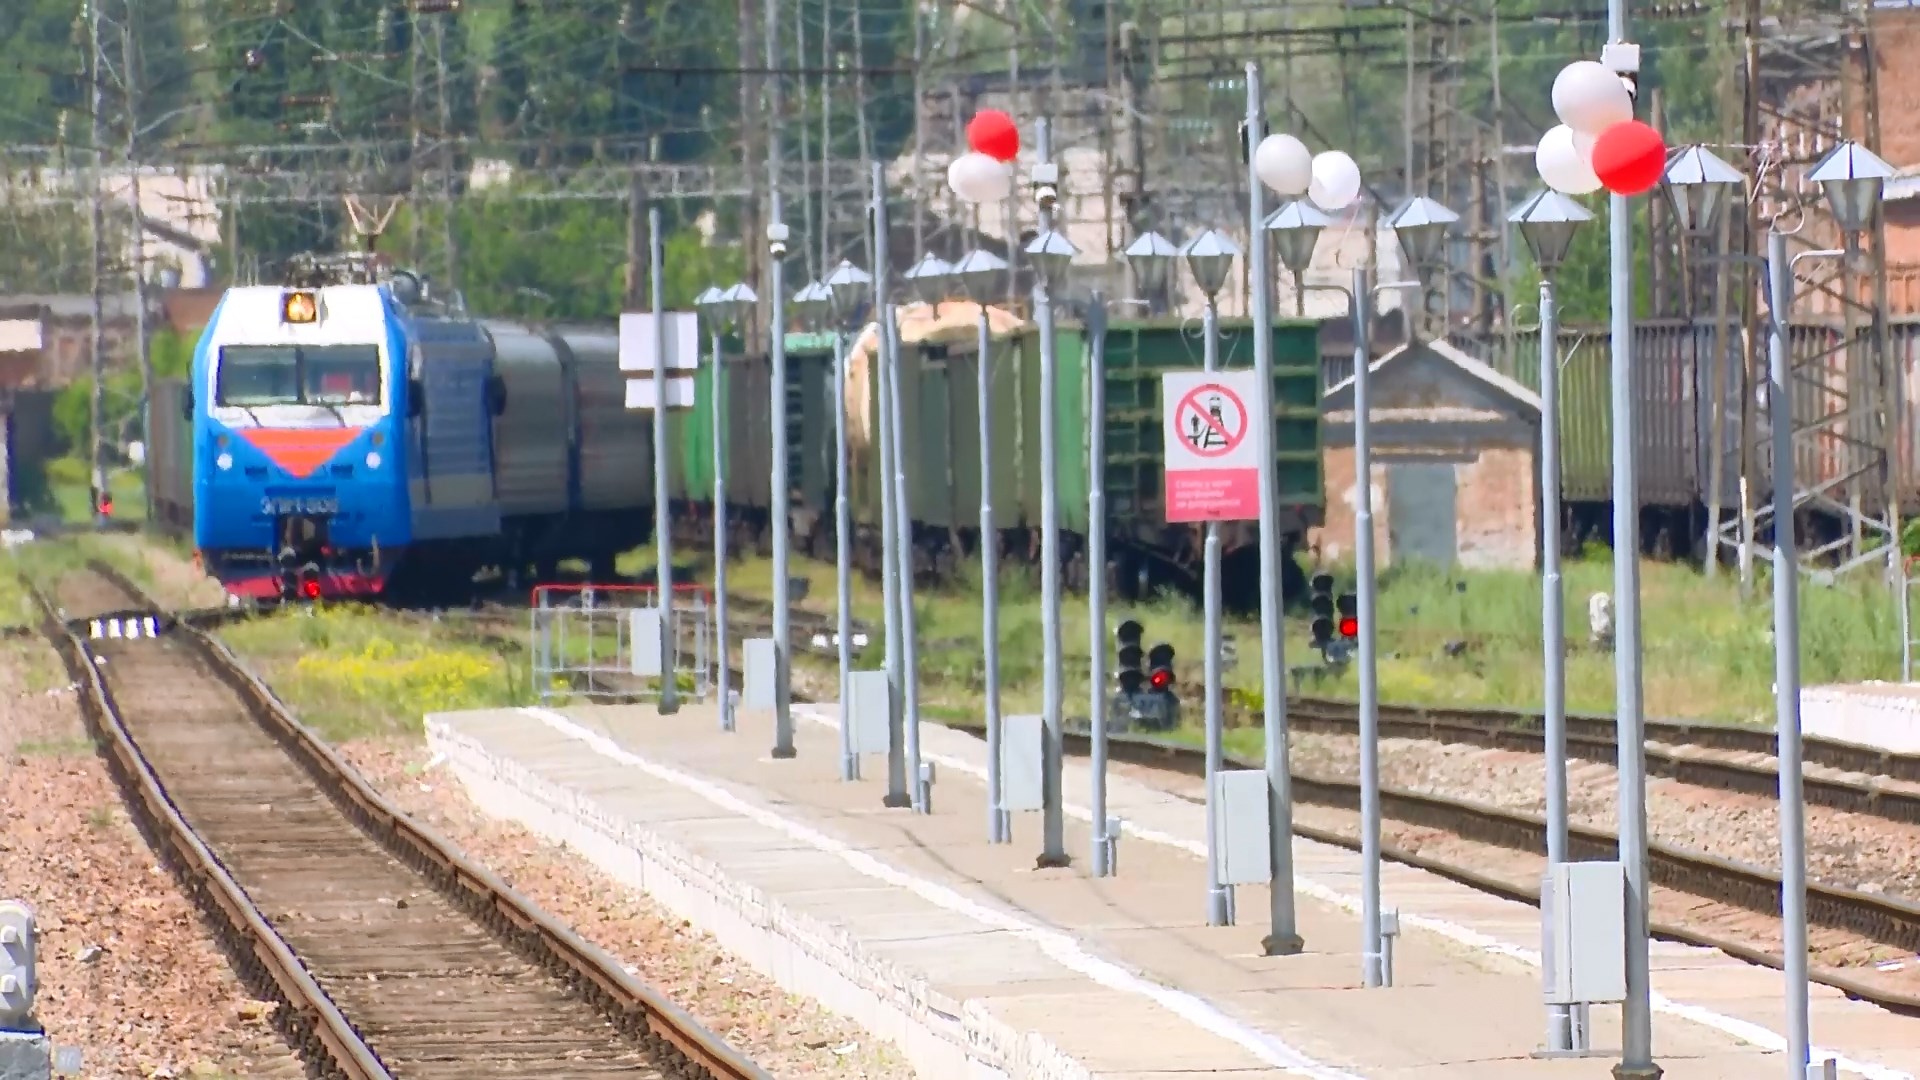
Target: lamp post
<point>1548,222</point>
<point>977,273</point>
<point>1853,179</point>
<point>814,305</point>
<point>1209,256</point>
<point>779,484</point>
<point>1421,224</point>
<point>1050,253</point>
<point>724,307</point>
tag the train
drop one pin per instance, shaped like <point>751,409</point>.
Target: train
<point>363,440</point>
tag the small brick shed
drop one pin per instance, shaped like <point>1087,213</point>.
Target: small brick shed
<point>1455,475</point>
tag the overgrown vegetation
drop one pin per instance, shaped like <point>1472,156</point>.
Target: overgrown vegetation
<point>352,671</point>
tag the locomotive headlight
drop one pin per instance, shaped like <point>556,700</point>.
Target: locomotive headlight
<point>224,461</point>
<point>373,460</point>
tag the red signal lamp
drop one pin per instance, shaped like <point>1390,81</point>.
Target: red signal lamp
<point>1349,627</point>
<point>106,505</point>
<point>1160,680</point>
<point>310,589</point>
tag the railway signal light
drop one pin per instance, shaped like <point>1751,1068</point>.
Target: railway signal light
<point>1129,675</point>
<point>18,980</point>
<point>1160,661</point>
<point>1349,616</point>
<point>1322,602</point>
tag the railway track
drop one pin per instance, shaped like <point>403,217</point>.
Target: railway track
<point>1840,776</point>
<point>387,953</point>
<point>1708,901</point>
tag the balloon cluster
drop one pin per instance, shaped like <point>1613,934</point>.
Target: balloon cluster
<point>1331,181</point>
<point>1598,143</point>
<point>986,174</point>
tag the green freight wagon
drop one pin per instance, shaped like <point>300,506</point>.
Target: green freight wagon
<point>940,419</point>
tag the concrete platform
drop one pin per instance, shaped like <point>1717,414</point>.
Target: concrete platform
<point>978,965</point>
<point>1877,714</point>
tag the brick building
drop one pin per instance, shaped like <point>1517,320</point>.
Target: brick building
<point>46,341</point>
<point>1455,480</point>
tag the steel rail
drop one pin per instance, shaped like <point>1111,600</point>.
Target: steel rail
<point>637,1009</point>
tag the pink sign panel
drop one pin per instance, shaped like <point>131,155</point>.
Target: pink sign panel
<point>1212,466</point>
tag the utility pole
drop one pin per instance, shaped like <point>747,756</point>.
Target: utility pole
<point>130,75</point>
<point>448,238</point>
<point>97,228</point>
<point>416,225</point>
<point>780,487</point>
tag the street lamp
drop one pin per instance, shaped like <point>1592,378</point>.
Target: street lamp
<point>1421,225</point>
<point>977,274</point>
<point>929,278</point>
<point>723,307</point>
<point>1854,180</point>
<point>1149,256</point>
<point>1548,222</point>
<point>1050,253</point>
<point>814,305</point>
<point>1209,258</point>
<point>1296,232</point>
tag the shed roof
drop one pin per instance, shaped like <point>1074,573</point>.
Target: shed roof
<point>1339,397</point>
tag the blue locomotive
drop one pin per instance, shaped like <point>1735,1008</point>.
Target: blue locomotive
<point>359,439</point>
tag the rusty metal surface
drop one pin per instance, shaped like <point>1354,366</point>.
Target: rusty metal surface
<point>388,952</point>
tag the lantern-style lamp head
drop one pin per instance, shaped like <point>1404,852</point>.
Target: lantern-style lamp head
<point>929,278</point>
<point>813,302</point>
<point>1421,225</point>
<point>709,301</point>
<point>1547,222</point>
<point>846,284</point>
<point>737,302</point>
<point>976,272</point>
<point>1296,230</point>
<point>1700,186</point>
<point>1150,255</point>
<point>1855,180</point>
<point>1051,252</point>
<point>1210,256</point>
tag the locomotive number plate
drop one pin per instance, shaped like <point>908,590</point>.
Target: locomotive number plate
<point>274,505</point>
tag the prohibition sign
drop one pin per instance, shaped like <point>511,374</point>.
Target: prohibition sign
<point>1204,421</point>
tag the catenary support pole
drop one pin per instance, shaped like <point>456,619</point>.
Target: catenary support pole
<point>780,486</point>
<point>97,339</point>
<point>1283,939</point>
<point>1786,660</point>
<point>1372,955</point>
<point>1219,897</point>
<point>662,513</point>
<point>1053,851</point>
<point>999,828</point>
<point>1097,574</point>
<point>1553,620</point>
<point>719,395</point>
<point>892,357</point>
<point>1636,1013</point>
<point>897,795</point>
<point>843,552</point>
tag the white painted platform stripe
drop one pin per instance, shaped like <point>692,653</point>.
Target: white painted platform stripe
<point>1060,947</point>
<point>1743,1030</point>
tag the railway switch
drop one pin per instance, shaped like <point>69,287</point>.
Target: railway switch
<point>18,980</point>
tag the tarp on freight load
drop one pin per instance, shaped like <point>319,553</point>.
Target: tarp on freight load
<point>920,323</point>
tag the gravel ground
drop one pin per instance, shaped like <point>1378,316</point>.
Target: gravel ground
<point>176,581</point>
<point>1844,849</point>
<point>787,1035</point>
<point>128,973</point>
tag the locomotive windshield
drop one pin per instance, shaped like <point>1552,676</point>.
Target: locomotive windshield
<point>256,375</point>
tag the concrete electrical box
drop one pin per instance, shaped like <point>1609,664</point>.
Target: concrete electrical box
<point>643,641</point>
<point>869,708</point>
<point>1241,827</point>
<point>1585,954</point>
<point>759,674</point>
<point>1022,750</point>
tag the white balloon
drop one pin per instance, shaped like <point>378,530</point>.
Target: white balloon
<point>1284,164</point>
<point>1589,98</point>
<point>1336,181</point>
<point>977,178</point>
<point>1562,164</point>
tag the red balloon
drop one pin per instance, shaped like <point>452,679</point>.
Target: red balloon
<point>993,133</point>
<point>1629,158</point>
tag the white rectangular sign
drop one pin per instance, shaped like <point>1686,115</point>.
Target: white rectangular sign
<point>1213,445</point>
<point>679,393</point>
<point>638,346</point>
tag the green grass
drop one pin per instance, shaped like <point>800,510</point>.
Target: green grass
<point>67,485</point>
<point>1469,638</point>
<point>351,671</point>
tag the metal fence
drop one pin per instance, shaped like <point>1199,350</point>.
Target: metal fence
<point>584,638</point>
